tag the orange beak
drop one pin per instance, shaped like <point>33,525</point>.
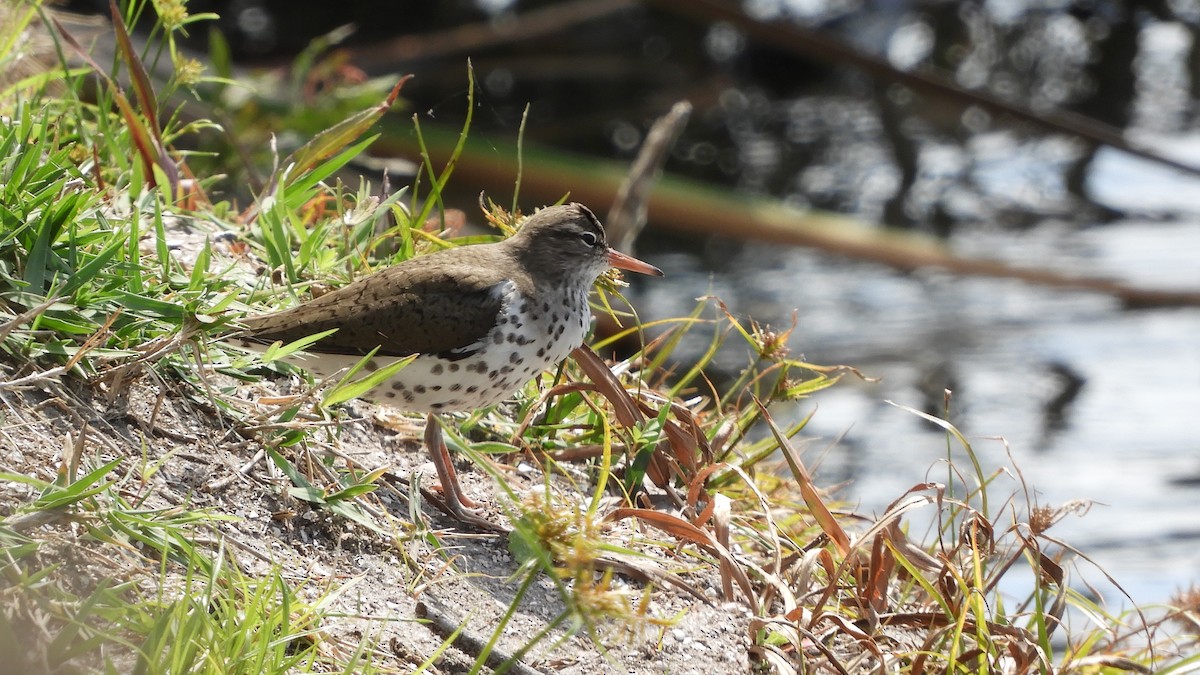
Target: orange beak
<point>627,262</point>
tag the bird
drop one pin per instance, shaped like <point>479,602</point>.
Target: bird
<point>479,322</point>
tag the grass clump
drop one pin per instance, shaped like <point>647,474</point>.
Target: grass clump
<point>97,578</point>
<point>164,513</point>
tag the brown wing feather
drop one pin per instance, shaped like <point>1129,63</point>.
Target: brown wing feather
<point>414,308</point>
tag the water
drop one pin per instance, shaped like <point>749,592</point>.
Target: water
<point>1128,441</point>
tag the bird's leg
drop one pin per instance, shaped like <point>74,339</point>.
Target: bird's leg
<point>458,503</point>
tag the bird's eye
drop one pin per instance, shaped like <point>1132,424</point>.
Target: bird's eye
<point>589,238</point>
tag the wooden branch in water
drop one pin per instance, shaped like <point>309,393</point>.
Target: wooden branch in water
<point>470,38</point>
<point>678,205</point>
<point>814,44</point>
<point>699,209</point>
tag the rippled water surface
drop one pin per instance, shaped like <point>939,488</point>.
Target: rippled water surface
<point>1128,441</point>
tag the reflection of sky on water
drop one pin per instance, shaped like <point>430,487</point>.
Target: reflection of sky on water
<point>1132,183</point>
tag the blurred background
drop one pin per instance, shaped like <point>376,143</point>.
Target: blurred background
<point>1052,136</point>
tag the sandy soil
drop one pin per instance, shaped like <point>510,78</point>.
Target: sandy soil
<point>381,586</point>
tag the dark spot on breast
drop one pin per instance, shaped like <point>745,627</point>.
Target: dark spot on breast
<point>498,337</point>
<point>541,352</point>
<point>502,320</point>
<point>436,369</point>
<point>408,396</point>
<point>436,387</point>
<point>559,331</point>
<point>372,365</point>
<point>493,374</point>
<point>390,394</point>
<point>472,389</point>
<point>420,389</point>
<point>397,385</point>
<point>514,358</point>
<point>554,317</point>
<point>545,307</point>
<point>455,387</point>
<point>437,406</point>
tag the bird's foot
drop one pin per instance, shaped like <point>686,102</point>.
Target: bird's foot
<point>462,513</point>
<point>454,503</point>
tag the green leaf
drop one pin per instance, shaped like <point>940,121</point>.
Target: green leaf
<point>350,492</point>
<point>278,350</point>
<point>309,494</point>
<point>89,271</point>
<point>151,306</point>
<point>337,137</point>
<point>351,512</point>
<point>346,390</point>
<point>57,497</point>
<point>200,267</point>
<point>298,189</point>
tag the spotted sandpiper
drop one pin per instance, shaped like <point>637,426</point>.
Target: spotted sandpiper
<point>481,321</point>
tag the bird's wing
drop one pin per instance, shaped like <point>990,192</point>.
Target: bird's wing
<point>402,311</point>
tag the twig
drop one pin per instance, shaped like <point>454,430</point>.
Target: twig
<point>8,326</point>
<point>243,470</point>
<point>444,625</point>
<point>29,521</point>
<point>648,572</point>
<point>151,428</point>
<point>35,378</point>
<point>627,216</point>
